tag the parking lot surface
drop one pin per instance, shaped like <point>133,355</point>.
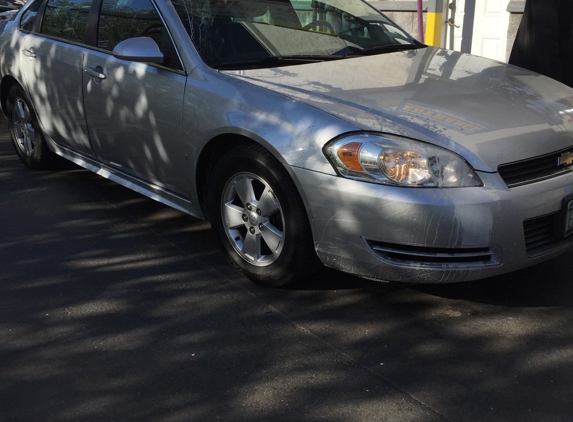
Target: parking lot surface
<point>115,307</point>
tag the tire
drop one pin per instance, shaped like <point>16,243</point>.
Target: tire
<point>25,131</point>
<point>259,218</point>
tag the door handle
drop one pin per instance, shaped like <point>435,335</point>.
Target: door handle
<point>451,23</point>
<point>29,53</point>
<point>95,73</point>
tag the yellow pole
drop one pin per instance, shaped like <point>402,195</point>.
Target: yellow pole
<point>434,22</point>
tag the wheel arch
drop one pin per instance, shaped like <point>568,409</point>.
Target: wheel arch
<point>209,156</point>
<point>7,83</point>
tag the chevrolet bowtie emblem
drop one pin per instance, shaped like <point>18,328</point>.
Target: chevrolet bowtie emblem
<point>566,159</point>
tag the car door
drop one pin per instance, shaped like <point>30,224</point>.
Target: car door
<point>134,110</point>
<point>51,57</point>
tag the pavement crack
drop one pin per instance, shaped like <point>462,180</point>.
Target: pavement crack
<point>55,340</point>
<point>354,362</point>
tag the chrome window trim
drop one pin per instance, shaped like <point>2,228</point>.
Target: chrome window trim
<point>153,2</point>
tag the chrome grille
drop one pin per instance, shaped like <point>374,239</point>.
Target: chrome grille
<point>533,170</point>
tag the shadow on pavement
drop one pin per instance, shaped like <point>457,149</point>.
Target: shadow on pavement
<point>115,307</point>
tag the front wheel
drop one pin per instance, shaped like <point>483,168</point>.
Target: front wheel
<point>259,218</point>
<point>25,131</point>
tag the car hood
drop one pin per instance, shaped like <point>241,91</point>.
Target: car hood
<point>489,112</point>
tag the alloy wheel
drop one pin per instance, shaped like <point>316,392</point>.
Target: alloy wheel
<point>253,219</point>
<point>23,128</point>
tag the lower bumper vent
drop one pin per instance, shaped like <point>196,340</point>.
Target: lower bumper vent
<point>429,256</point>
<point>540,236</point>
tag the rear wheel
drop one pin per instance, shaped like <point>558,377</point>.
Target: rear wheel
<point>259,218</point>
<point>25,131</point>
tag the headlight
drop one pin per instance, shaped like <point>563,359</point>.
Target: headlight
<point>392,160</point>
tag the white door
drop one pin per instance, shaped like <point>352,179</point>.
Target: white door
<point>481,28</point>
<point>489,37</point>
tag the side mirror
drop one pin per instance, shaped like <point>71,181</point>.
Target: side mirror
<point>138,49</point>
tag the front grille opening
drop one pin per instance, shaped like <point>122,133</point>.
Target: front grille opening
<point>540,236</point>
<point>409,254</point>
<point>533,170</point>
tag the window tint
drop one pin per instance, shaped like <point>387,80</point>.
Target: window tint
<point>123,19</point>
<point>29,16</point>
<point>66,19</point>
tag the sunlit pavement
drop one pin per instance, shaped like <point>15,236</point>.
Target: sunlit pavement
<point>114,307</point>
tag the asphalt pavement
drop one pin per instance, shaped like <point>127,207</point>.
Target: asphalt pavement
<point>114,307</point>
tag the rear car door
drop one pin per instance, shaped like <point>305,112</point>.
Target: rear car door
<point>52,55</point>
<point>134,110</point>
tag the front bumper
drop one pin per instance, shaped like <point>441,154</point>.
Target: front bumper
<point>429,235</point>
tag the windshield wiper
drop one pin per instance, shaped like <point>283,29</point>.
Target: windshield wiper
<point>380,49</point>
<point>273,61</point>
<point>353,51</point>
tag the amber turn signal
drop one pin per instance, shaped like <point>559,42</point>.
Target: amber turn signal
<point>348,154</point>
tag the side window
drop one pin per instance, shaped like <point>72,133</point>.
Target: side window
<point>66,19</point>
<point>29,16</point>
<point>123,19</point>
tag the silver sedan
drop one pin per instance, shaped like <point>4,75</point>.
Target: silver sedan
<point>308,132</point>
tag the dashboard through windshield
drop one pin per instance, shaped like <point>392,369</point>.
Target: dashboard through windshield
<point>243,34</point>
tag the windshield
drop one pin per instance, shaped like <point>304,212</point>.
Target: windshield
<point>242,34</point>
